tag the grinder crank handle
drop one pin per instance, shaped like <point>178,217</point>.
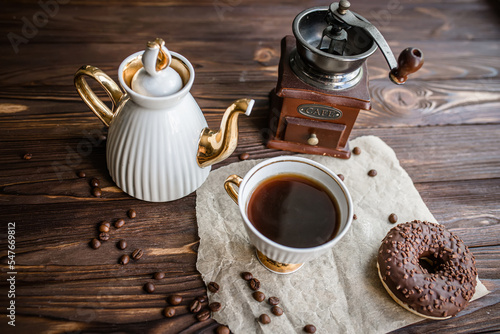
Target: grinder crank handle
<point>409,61</point>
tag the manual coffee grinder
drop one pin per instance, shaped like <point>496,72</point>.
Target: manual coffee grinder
<point>323,79</point>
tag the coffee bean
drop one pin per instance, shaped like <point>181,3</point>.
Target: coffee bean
<point>81,174</point>
<point>122,244</point>
<point>393,218</point>
<point>149,287</point>
<point>103,228</point>
<point>94,243</point>
<point>259,296</point>
<point>195,306</point>
<point>309,329</point>
<point>215,306</point>
<point>103,236</point>
<point>264,319</point>
<point>341,176</point>
<point>106,223</point>
<point>203,315</point>
<point>356,150</point>
<point>246,276</point>
<point>202,299</point>
<point>244,156</point>
<point>131,213</point>
<point>276,310</point>
<point>137,254</point>
<point>213,287</point>
<point>274,300</point>
<point>372,172</point>
<point>222,330</point>
<point>354,217</point>
<point>27,156</point>
<point>169,312</point>
<point>174,299</point>
<point>159,275</point>
<point>96,192</point>
<point>95,182</point>
<point>119,223</point>
<point>254,284</point>
<point>124,259</point>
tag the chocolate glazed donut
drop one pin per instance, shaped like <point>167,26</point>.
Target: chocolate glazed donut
<point>427,269</point>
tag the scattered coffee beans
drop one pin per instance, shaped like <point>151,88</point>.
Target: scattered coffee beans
<point>195,306</point>
<point>372,172</point>
<point>341,176</point>
<point>137,254</point>
<point>203,315</point>
<point>215,306</point>
<point>264,319</point>
<point>159,275</point>
<point>131,213</point>
<point>356,150</point>
<point>254,284</point>
<point>106,223</point>
<point>259,296</point>
<point>354,216</point>
<point>149,287</point>
<point>213,287</point>
<point>274,300</point>
<point>122,244</point>
<point>81,174</point>
<point>103,228</point>
<point>169,312</point>
<point>276,310</point>
<point>202,299</point>
<point>222,330</point>
<point>309,329</point>
<point>246,276</point>
<point>28,156</point>
<point>94,243</point>
<point>393,218</point>
<point>119,223</point>
<point>124,259</point>
<point>244,156</point>
<point>103,236</point>
<point>174,299</point>
<point>95,182</point>
<point>96,191</point>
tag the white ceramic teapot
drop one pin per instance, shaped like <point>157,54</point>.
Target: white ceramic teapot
<point>159,147</point>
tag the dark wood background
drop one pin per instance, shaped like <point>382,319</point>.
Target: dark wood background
<point>444,126</point>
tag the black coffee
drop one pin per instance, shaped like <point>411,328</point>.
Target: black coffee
<point>294,211</point>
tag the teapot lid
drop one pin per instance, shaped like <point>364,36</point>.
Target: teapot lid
<point>156,78</point>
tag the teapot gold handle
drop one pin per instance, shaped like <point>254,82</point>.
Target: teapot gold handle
<point>88,96</point>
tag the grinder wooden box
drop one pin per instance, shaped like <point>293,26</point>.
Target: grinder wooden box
<point>311,120</point>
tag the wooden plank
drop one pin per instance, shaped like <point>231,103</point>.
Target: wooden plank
<point>428,154</point>
<point>113,24</point>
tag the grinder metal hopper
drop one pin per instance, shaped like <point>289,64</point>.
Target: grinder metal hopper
<point>323,81</point>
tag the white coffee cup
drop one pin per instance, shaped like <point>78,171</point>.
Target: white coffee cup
<point>274,256</point>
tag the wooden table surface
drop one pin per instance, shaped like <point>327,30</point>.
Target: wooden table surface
<point>444,126</point>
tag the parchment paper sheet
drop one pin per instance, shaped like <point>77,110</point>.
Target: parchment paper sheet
<point>340,292</point>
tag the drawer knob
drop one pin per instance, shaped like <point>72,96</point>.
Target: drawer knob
<point>313,140</point>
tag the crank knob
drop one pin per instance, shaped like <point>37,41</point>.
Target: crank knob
<point>410,60</point>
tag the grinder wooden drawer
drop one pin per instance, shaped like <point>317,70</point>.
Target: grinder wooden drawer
<point>313,133</point>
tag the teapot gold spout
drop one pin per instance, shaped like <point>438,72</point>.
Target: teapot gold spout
<point>215,146</point>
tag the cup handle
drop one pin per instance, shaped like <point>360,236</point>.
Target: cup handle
<point>230,183</point>
<point>88,96</point>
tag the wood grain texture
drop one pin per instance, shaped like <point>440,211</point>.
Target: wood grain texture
<point>443,124</point>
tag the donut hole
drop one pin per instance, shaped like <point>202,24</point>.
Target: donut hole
<point>430,264</point>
